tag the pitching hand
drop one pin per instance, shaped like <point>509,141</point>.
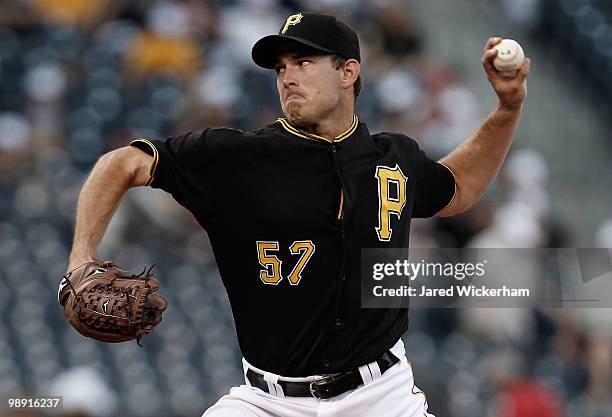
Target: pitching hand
<point>511,91</point>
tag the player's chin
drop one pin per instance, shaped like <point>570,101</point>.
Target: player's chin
<point>294,112</point>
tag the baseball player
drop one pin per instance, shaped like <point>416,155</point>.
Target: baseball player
<point>289,206</point>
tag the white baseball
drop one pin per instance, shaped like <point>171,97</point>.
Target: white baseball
<point>510,56</point>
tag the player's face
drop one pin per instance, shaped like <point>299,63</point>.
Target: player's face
<point>308,87</point>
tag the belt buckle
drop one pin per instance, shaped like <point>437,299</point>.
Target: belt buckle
<point>317,382</point>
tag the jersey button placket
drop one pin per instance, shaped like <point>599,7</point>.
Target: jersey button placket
<point>338,323</point>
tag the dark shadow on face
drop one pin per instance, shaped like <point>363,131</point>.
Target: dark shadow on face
<point>298,49</point>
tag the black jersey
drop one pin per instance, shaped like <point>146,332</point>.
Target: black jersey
<point>287,213</point>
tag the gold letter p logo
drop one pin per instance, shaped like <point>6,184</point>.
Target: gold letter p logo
<point>388,205</point>
<point>292,21</point>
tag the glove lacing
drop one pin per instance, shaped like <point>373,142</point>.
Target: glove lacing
<point>140,333</point>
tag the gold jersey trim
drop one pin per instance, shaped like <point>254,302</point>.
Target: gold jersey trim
<point>341,209</point>
<point>456,187</point>
<point>155,158</point>
<point>300,133</point>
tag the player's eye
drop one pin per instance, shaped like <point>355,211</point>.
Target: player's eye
<point>279,69</point>
<point>303,62</point>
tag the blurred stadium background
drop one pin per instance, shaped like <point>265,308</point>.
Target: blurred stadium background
<point>79,78</point>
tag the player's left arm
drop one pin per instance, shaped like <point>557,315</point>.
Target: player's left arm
<point>476,162</point>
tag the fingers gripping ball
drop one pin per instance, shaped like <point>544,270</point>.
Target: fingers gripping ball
<point>109,304</point>
<point>509,58</point>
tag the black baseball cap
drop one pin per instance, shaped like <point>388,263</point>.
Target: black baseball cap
<point>322,32</point>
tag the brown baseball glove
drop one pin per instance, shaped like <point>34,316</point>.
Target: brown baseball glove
<point>109,304</point>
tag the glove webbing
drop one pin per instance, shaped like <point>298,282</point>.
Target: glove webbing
<point>140,333</point>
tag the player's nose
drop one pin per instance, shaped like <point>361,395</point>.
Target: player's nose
<point>290,77</point>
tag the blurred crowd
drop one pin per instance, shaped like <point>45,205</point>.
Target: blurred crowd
<point>581,32</point>
<point>79,78</point>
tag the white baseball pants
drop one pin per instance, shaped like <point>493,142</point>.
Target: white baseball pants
<point>392,394</point>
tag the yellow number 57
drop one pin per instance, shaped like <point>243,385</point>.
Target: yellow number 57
<point>271,272</point>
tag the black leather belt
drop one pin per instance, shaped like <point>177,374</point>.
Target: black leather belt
<point>325,387</point>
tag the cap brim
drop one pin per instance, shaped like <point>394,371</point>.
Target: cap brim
<point>265,50</point>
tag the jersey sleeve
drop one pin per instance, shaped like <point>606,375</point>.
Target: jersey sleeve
<point>435,186</point>
<point>179,164</point>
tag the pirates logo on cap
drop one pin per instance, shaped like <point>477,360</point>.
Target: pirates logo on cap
<point>292,20</point>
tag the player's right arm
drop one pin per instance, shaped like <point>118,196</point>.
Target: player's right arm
<point>112,176</point>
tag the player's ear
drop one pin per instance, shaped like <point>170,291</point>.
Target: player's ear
<point>349,73</point>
